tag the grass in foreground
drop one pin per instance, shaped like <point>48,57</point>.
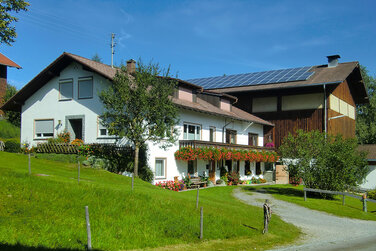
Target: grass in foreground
<point>353,208</point>
<point>48,212</point>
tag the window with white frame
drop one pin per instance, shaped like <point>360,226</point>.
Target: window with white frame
<point>160,168</point>
<point>102,130</point>
<point>192,132</point>
<point>65,89</point>
<point>44,128</point>
<point>85,87</point>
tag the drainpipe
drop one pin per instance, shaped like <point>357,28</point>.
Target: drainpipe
<point>325,112</point>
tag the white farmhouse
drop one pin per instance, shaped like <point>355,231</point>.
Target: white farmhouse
<point>64,96</point>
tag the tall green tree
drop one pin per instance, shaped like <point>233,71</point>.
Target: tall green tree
<point>7,29</point>
<point>138,106</point>
<point>324,161</point>
<point>97,58</point>
<point>12,116</point>
<point>366,114</point>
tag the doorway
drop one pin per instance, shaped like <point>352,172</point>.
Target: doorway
<point>75,125</point>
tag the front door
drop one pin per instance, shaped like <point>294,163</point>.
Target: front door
<point>212,171</point>
<point>76,128</point>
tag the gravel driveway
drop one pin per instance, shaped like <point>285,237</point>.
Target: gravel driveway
<point>323,231</point>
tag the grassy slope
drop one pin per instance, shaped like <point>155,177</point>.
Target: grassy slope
<point>8,131</point>
<point>48,211</point>
<point>353,207</point>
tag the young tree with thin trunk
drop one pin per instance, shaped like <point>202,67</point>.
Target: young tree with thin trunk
<point>139,107</point>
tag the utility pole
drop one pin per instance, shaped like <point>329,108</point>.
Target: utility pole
<point>112,49</point>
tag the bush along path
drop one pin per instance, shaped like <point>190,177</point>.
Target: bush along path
<point>323,231</point>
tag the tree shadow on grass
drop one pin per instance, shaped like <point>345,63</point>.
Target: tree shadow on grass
<point>5,246</point>
<point>276,190</point>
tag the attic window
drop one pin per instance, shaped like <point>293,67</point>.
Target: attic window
<point>85,88</point>
<point>66,89</point>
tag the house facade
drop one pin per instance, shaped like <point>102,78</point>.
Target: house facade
<point>64,97</point>
<point>322,97</point>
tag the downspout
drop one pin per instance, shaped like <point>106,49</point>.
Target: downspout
<point>325,112</point>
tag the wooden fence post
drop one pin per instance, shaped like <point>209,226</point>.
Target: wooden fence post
<point>202,223</point>
<point>88,228</point>
<point>29,165</point>
<point>78,177</point>
<point>305,195</point>
<point>198,190</point>
<point>343,199</point>
<point>132,180</point>
<point>364,203</point>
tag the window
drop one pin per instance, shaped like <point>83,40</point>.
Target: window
<point>258,168</point>
<point>212,134</point>
<point>192,132</point>
<point>44,128</point>
<point>65,89</point>
<point>85,87</point>
<point>252,139</point>
<point>268,166</point>
<point>247,168</point>
<point>192,168</point>
<point>230,136</point>
<point>102,130</point>
<point>160,168</point>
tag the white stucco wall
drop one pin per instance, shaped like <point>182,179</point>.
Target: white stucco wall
<point>370,182</point>
<point>45,104</point>
<point>180,168</point>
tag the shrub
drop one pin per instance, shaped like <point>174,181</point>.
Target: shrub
<point>170,185</point>
<point>372,194</point>
<point>324,161</point>
<point>12,146</point>
<point>234,178</point>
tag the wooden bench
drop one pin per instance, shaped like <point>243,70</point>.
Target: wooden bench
<point>196,182</point>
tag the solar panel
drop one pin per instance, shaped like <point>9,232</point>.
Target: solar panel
<point>256,78</point>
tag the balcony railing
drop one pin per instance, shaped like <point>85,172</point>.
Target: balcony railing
<point>200,144</point>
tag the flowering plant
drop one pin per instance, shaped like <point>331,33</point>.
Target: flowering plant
<point>77,142</point>
<point>26,148</point>
<point>211,153</point>
<point>171,185</point>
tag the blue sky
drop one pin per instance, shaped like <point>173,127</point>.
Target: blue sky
<point>197,38</point>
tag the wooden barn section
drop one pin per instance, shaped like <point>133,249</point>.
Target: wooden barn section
<point>322,97</point>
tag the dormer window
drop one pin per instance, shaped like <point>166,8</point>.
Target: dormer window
<point>66,89</point>
<point>85,88</point>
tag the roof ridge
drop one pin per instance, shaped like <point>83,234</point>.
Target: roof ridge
<point>72,54</point>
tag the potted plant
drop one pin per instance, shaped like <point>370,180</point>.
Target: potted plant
<point>234,178</point>
<point>204,178</point>
<point>187,181</point>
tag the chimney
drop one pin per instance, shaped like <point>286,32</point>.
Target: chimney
<point>131,66</point>
<point>333,61</point>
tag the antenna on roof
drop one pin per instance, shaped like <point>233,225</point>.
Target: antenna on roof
<point>112,49</point>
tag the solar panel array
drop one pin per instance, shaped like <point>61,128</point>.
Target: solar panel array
<point>256,78</point>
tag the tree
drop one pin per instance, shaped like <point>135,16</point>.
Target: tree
<point>138,106</point>
<point>324,161</point>
<point>12,116</point>
<point>7,31</point>
<point>366,113</point>
<point>97,58</point>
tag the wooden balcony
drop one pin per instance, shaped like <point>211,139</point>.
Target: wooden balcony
<point>200,144</point>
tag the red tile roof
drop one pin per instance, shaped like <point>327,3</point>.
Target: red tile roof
<point>6,61</point>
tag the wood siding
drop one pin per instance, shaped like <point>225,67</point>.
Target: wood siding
<point>291,121</point>
<point>342,91</point>
<point>344,126</point>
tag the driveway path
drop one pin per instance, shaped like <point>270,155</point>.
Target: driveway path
<point>323,231</point>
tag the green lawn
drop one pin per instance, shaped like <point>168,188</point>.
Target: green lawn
<point>48,212</point>
<point>353,208</point>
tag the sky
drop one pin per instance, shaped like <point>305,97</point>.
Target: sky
<point>195,38</point>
